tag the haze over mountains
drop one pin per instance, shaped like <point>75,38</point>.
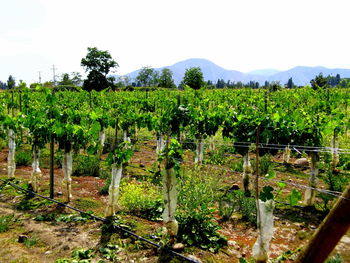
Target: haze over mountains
<point>301,75</point>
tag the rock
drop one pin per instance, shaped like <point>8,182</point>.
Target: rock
<point>302,161</point>
<point>178,246</point>
<point>48,252</point>
<point>194,258</point>
<point>22,238</point>
<point>232,243</point>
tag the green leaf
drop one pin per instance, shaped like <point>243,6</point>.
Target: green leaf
<point>266,193</point>
<point>281,185</point>
<point>270,175</point>
<point>294,197</point>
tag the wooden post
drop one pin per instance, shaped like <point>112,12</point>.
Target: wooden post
<point>333,227</point>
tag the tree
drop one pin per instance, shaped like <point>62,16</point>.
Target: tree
<point>65,80</point>
<point>319,82</point>
<point>98,63</point>
<point>166,79</point>
<point>147,76</point>
<point>290,83</point>
<point>11,83</point>
<point>193,78</point>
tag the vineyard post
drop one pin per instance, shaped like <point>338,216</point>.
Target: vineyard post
<point>52,155</point>
<point>258,211</point>
<point>333,227</point>
<point>178,105</point>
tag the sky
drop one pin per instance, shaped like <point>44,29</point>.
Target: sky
<point>243,35</point>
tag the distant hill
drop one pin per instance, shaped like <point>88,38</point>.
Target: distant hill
<point>213,72</point>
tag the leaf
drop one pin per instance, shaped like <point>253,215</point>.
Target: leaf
<point>270,175</point>
<point>266,193</point>
<point>294,197</point>
<point>281,185</point>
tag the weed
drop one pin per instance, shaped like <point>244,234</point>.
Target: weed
<point>23,158</point>
<point>197,197</point>
<point>143,199</point>
<point>85,165</point>
<point>86,204</point>
<point>215,157</point>
<point>32,204</point>
<point>336,259</point>
<point>237,201</point>
<point>5,222</point>
<point>31,241</point>
<point>83,254</point>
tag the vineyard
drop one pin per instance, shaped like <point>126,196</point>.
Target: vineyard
<point>243,175</point>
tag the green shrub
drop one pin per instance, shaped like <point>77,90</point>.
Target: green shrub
<point>237,165</point>
<point>195,214</point>
<point>104,189</point>
<point>23,158</point>
<point>3,144</point>
<point>5,222</point>
<point>31,241</point>
<point>237,201</point>
<point>84,165</point>
<point>215,157</point>
<point>143,199</point>
<point>336,259</point>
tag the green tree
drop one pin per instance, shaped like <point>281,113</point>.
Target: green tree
<point>290,83</point>
<point>11,83</point>
<point>147,76</point>
<point>319,82</point>
<point>166,79</point>
<point>98,63</point>
<point>193,78</point>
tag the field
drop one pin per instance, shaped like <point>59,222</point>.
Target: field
<point>212,165</point>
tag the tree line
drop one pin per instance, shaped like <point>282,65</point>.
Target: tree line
<point>99,65</point>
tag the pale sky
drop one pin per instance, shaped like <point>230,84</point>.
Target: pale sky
<point>236,34</point>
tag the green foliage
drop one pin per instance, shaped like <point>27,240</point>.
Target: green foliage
<point>294,197</point>
<point>200,230</point>
<point>166,79</point>
<point>85,165</point>
<point>31,241</point>
<point>197,197</point>
<point>69,218</point>
<point>335,259</point>
<point>3,144</point>
<point>237,201</point>
<point>98,63</point>
<point>23,158</point>
<point>104,189</point>
<point>32,204</point>
<point>83,254</point>
<point>193,78</point>
<point>142,199</point>
<point>319,82</point>
<point>215,157</point>
<point>109,252</point>
<point>266,193</point>
<point>147,76</point>
<point>5,222</point>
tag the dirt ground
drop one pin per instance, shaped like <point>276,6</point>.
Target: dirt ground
<point>56,240</point>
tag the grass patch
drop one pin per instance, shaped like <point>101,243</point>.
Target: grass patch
<point>86,204</point>
<point>5,222</point>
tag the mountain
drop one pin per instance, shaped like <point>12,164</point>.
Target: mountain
<point>213,72</point>
<point>264,72</point>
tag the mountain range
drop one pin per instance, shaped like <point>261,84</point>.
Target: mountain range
<point>300,75</point>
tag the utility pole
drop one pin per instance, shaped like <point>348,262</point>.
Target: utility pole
<point>39,77</point>
<point>54,74</point>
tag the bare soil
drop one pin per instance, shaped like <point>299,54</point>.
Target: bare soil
<point>58,239</point>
